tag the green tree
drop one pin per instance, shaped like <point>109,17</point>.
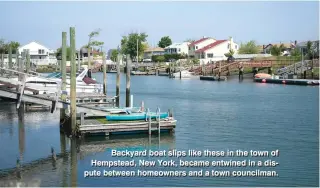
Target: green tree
<point>158,58</point>
<point>249,48</point>
<point>295,52</point>
<point>114,55</point>
<point>59,53</point>
<point>276,50</point>
<point>4,47</point>
<point>189,40</point>
<point>94,43</point>
<point>129,44</point>
<point>164,42</point>
<point>230,53</point>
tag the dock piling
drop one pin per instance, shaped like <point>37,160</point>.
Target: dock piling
<point>63,73</point>
<point>104,73</point>
<point>28,61</point>
<point>128,67</point>
<point>10,60</point>
<point>2,64</point>
<point>79,63</point>
<point>73,107</point>
<point>118,81</point>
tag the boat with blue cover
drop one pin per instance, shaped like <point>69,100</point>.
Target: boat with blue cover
<point>135,116</point>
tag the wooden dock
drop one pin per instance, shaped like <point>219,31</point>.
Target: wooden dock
<point>94,126</point>
<point>288,81</point>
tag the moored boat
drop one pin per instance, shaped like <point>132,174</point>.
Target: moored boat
<point>135,116</point>
<point>263,75</point>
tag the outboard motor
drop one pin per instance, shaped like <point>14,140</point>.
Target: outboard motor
<point>89,73</point>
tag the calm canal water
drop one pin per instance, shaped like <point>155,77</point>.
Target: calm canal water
<point>211,115</point>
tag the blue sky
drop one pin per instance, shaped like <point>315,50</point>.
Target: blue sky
<point>265,22</point>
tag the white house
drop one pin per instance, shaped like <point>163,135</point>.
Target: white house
<point>39,54</point>
<point>196,45</point>
<point>209,49</point>
<point>178,48</point>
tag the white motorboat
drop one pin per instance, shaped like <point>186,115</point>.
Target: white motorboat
<point>49,84</point>
<point>184,74</point>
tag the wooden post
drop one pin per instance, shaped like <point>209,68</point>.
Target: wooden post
<point>180,68</point>
<point>63,74</point>
<point>219,69</point>
<point>28,62</point>
<point>73,80</point>
<point>10,59</point>
<point>104,74</point>
<point>1,65</point>
<point>128,81</point>
<point>312,69</point>
<point>63,64</point>
<point>89,58</point>
<point>149,118</point>
<point>79,63</point>
<point>118,81</point>
<point>16,67</point>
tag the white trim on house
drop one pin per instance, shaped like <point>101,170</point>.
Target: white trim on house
<point>178,48</point>
<point>39,54</point>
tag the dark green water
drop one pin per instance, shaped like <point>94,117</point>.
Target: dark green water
<point>211,115</point>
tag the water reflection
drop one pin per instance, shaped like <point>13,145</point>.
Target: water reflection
<point>21,131</point>
<point>58,168</point>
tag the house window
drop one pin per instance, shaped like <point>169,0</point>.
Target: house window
<point>196,47</point>
<point>228,46</point>
<point>189,48</point>
<point>179,49</point>
<point>236,46</point>
<point>210,55</point>
<point>39,51</point>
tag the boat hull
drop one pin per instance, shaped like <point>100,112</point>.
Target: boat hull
<point>134,117</point>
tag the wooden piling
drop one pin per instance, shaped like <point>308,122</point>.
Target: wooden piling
<point>128,67</point>
<point>16,67</point>
<point>28,61</point>
<point>118,81</point>
<point>79,63</point>
<point>89,62</point>
<point>180,68</point>
<point>73,83</point>
<point>10,59</point>
<point>104,73</point>
<point>1,65</point>
<point>63,64</point>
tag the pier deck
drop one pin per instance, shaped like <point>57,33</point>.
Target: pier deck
<point>94,126</point>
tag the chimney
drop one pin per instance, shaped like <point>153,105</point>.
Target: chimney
<point>295,42</point>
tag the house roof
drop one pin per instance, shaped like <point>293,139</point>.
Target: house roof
<point>198,41</point>
<point>156,49</point>
<point>176,45</point>
<point>212,45</point>
<point>32,44</point>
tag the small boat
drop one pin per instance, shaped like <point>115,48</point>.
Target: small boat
<point>184,74</point>
<point>263,75</point>
<point>135,116</point>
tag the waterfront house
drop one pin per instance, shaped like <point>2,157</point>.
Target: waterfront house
<point>209,49</point>
<point>39,54</point>
<point>266,49</point>
<point>178,48</point>
<point>148,53</point>
<point>302,47</point>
